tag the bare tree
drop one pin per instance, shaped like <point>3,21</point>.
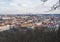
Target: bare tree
<point>55,6</point>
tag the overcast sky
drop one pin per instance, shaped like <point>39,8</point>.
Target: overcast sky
<point>27,6</point>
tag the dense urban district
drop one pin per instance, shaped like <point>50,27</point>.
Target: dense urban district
<point>29,28</point>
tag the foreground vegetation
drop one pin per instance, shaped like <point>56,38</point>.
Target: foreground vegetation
<point>14,35</point>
